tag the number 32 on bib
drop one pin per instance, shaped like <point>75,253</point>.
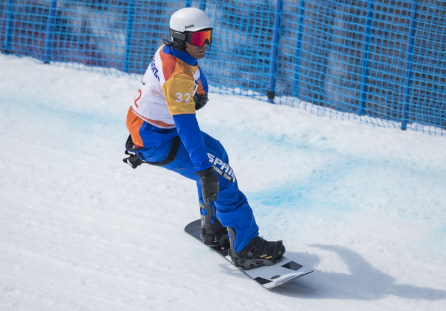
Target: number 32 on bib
<point>180,97</point>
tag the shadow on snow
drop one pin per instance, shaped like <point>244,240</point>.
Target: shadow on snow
<point>364,282</point>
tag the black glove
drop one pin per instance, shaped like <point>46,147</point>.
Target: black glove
<point>133,160</point>
<point>209,183</point>
<point>200,101</point>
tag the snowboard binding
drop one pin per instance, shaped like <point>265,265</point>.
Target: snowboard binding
<point>212,232</point>
<point>257,253</point>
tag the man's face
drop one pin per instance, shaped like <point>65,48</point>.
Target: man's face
<point>197,52</point>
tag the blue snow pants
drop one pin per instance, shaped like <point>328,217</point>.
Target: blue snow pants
<point>232,208</point>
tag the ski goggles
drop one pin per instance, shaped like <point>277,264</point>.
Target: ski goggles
<point>200,37</point>
<point>195,38</point>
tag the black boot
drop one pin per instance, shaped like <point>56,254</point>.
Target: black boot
<point>257,253</point>
<point>212,234</point>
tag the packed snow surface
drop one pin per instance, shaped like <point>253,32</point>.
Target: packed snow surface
<point>80,230</point>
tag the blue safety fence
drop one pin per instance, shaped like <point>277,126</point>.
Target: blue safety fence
<point>379,61</point>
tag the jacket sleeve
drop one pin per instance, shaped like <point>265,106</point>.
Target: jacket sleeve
<point>178,91</point>
<point>202,84</point>
<point>192,139</point>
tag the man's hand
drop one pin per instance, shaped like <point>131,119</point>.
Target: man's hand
<point>209,183</point>
<point>200,101</point>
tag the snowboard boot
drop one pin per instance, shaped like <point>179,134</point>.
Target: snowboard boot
<point>212,232</point>
<point>257,253</point>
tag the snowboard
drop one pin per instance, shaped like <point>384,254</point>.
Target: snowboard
<point>268,276</point>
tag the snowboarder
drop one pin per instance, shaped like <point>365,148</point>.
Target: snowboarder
<point>164,131</point>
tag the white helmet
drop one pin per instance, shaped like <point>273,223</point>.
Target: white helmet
<point>189,19</point>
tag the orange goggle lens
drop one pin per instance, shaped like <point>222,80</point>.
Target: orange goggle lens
<point>200,37</point>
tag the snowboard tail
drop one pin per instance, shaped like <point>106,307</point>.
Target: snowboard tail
<point>267,276</point>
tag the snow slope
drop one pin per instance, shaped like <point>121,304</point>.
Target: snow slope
<point>80,230</point>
